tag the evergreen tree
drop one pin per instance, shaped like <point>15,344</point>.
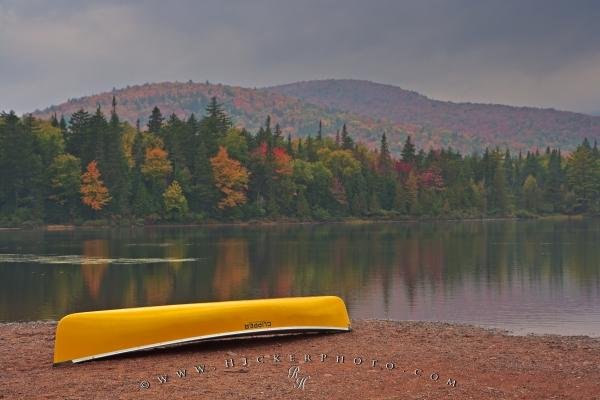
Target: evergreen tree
<point>553,186</point>
<point>300,151</point>
<point>531,194</point>
<point>277,136</point>
<point>385,159</point>
<point>583,176</point>
<point>19,164</point>
<point>79,137</point>
<point>412,193</point>
<point>408,151</point>
<point>114,164</point>
<point>497,191</point>
<point>140,198</point>
<point>54,121</point>
<point>62,124</point>
<point>310,150</point>
<point>347,142</point>
<point>155,121</point>
<point>320,132</point>
<point>96,147</point>
<point>288,145</point>
<point>214,126</point>
<point>65,178</point>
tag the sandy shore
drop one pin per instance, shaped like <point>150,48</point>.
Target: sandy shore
<point>381,360</point>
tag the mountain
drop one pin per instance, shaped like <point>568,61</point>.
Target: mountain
<point>367,108</point>
<point>248,108</point>
<point>485,124</point>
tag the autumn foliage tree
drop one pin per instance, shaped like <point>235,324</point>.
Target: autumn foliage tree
<point>93,192</point>
<point>174,200</point>
<point>41,178</point>
<point>231,178</point>
<point>156,165</point>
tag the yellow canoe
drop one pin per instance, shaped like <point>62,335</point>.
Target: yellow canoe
<point>89,335</point>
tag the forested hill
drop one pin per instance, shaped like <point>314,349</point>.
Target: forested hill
<point>368,109</point>
<point>485,124</point>
<point>247,107</point>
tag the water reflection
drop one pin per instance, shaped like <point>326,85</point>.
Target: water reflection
<point>232,269</point>
<point>540,276</point>
<point>93,272</point>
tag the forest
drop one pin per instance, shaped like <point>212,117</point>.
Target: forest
<point>96,170</point>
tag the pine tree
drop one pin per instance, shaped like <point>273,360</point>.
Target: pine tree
<point>497,192</point>
<point>155,121</point>
<point>531,194</point>
<point>203,195</point>
<point>553,185</point>
<point>385,159</point>
<point>213,126</point>
<point>277,136</point>
<point>288,145</point>
<point>65,173</point>
<point>301,154</point>
<point>347,142</point>
<point>320,132</point>
<point>20,166</point>
<point>78,138</point>
<point>62,124</point>
<point>412,193</point>
<point>114,163</point>
<point>408,151</point>
<point>583,176</point>
<point>95,148</point>
<point>54,121</point>
<point>310,151</point>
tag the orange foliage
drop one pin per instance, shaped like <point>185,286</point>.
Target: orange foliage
<point>156,164</point>
<point>232,268</point>
<point>93,192</point>
<point>283,162</point>
<point>367,108</point>
<point>93,271</point>
<point>231,178</point>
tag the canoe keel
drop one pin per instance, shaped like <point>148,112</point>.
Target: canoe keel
<point>97,334</point>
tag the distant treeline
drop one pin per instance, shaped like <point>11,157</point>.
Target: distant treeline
<point>193,170</point>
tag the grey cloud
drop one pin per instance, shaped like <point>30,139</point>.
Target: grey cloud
<point>544,53</point>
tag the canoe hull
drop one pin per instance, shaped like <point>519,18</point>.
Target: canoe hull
<point>90,335</point>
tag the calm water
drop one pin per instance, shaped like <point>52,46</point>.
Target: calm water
<point>524,276</point>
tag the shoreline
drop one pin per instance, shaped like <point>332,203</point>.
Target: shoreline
<point>288,222</point>
<point>381,358</point>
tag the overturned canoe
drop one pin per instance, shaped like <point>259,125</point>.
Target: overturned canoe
<point>89,335</point>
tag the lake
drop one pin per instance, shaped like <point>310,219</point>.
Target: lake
<point>538,276</point>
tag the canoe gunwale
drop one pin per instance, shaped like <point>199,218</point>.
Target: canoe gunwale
<point>246,332</point>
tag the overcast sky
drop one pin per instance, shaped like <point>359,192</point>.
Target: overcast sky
<point>539,53</point>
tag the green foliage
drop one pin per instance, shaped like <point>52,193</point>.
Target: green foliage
<point>308,179</point>
<point>174,201</point>
<point>65,178</point>
<point>583,176</point>
<point>155,121</point>
<point>531,194</point>
<point>408,151</point>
